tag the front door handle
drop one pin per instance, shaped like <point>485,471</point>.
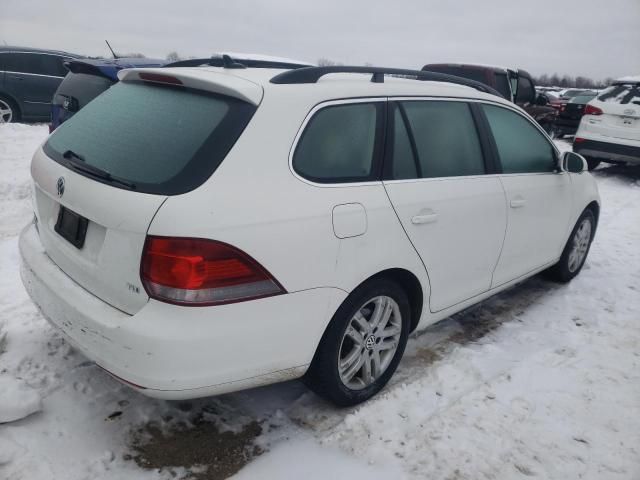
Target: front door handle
<point>422,219</point>
<point>517,203</point>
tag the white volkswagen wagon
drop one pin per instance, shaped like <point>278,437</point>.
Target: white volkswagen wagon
<point>201,230</point>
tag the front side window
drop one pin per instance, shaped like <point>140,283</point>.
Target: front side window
<point>338,144</point>
<point>445,137</point>
<point>526,92</point>
<point>521,146</point>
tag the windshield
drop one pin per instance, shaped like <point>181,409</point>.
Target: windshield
<point>623,94</point>
<point>163,140</point>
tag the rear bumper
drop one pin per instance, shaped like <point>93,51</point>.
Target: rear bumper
<point>607,151</point>
<point>174,352</point>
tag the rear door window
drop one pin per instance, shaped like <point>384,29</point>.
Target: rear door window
<point>35,63</point>
<point>338,144</point>
<point>522,148</point>
<point>622,94</point>
<point>164,140</point>
<point>502,85</point>
<point>446,140</point>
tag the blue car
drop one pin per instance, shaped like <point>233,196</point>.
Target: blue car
<point>88,78</point>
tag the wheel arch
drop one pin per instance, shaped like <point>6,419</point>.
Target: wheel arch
<point>594,206</point>
<point>410,284</point>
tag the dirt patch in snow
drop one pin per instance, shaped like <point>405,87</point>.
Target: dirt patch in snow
<point>202,447</point>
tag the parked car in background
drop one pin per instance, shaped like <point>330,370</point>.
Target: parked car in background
<point>86,79</point>
<point>200,230</point>
<point>570,114</point>
<point>568,94</point>
<point>28,79</point>
<point>553,99</point>
<point>516,85</point>
<point>610,127</point>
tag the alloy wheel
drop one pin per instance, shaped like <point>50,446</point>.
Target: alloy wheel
<point>6,112</point>
<point>580,246</point>
<point>370,342</point>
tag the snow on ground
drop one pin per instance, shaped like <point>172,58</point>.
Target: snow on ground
<point>541,381</point>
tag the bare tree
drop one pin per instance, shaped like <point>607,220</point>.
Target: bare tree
<point>325,62</point>
<point>173,56</point>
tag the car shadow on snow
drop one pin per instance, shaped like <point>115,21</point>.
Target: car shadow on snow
<point>214,438</point>
<point>623,172</point>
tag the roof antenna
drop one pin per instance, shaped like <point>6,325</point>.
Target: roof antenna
<point>228,62</point>
<point>112,52</point>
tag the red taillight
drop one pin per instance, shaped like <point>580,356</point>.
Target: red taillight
<point>591,110</point>
<point>159,78</point>
<point>578,140</point>
<point>195,271</point>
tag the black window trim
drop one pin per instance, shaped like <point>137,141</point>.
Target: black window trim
<point>378,148</point>
<point>494,147</point>
<point>488,152</point>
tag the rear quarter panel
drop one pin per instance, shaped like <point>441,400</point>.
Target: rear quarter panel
<point>256,203</point>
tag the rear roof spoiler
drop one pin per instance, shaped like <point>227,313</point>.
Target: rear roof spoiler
<point>222,83</point>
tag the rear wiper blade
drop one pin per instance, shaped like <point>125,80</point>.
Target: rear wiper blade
<point>94,171</point>
<point>69,154</point>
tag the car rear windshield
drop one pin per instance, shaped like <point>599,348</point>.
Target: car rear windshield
<point>151,138</point>
<point>81,86</point>
<point>582,99</point>
<point>627,93</point>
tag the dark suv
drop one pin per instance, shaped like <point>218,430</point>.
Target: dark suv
<point>514,84</point>
<point>28,79</point>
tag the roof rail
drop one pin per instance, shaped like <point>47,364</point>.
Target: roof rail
<point>313,74</point>
<point>226,61</point>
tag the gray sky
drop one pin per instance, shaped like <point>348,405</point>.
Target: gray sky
<point>595,38</point>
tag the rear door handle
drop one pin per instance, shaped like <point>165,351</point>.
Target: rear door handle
<point>517,203</point>
<point>422,219</point>
<point>15,77</point>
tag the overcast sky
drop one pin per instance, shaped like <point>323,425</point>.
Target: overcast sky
<point>595,38</point>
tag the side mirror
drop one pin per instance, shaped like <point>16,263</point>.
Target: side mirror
<point>541,100</point>
<point>574,163</point>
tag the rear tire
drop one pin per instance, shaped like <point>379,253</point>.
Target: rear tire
<point>363,344</point>
<point>9,112</point>
<point>576,250</point>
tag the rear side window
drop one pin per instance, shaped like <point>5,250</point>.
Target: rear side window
<point>339,143</point>
<point>521,146</point>
<point>82,87</point>
<point>623,94</point>
<point>165,140</point>
<point>445,137</point>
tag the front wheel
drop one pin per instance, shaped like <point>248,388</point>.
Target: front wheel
<point>576,250</point>
<point>363,344</point>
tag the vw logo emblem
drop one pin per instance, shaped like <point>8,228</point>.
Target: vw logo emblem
<point>370,342</point>
<point>60,186</point>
